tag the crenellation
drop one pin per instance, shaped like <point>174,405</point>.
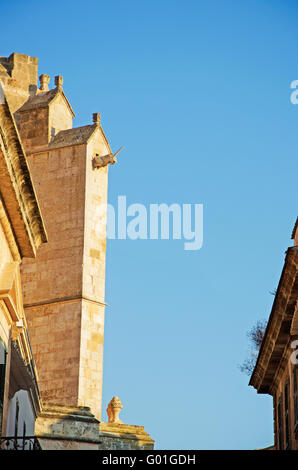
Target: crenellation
<point>18,73</point>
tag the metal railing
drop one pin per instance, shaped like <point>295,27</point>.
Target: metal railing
<point>19,443</point>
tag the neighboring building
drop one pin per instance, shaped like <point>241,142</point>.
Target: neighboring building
<point>276,370</point>
<point>64,285</point>
<point>21,232</point>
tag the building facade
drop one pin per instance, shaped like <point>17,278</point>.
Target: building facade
<point>276,370</point>
<point>21,233</point>
<point>63,285</point>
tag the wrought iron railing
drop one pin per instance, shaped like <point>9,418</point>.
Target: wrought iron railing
<point>19,443</point>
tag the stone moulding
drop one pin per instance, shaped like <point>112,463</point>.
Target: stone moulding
<point>8,293</point>
<point>275,340</point>
<point>60,422</point>
<point>117,436</point>
<point>65,299</point>
<point>17,190</point>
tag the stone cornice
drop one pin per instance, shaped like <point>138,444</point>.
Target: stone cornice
<point>73,298</point>
<point>125,431</point>
<point>17,190</point>
<point>270,363</point>
<point>9,233</point>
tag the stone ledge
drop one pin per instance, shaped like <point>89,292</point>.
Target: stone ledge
<point>58,422</point>
<point>66,444</point>
<point>68,412</point>
<point>116,436</point>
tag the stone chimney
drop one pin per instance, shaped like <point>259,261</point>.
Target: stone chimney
<point>96,118</point>
<point>59,81</point>
<point>44,80</point>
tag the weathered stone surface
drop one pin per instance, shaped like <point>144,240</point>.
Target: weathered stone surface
<point>113,410</point>
<point>17,190</point>
<point>66,444</point>
<point>67,428</point>
<point>18,73</point>
<point>116,436</point>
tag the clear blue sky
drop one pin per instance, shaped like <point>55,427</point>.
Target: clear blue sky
<point>198,92</point>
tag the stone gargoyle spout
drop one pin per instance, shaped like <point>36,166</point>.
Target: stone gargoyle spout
<point>101,161</point>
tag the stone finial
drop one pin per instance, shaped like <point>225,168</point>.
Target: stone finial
<point>44,82</point>
<point>96,118</point>
<point>59,81</point>
<point>113,410</point>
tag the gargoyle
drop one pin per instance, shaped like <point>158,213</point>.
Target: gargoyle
<point>101,161</point>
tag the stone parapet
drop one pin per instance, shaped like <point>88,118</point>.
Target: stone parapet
<point>116,436</point>
<point>69,428</point>
<point>18,74</point>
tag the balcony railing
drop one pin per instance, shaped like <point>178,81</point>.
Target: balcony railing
<point>19,443</point>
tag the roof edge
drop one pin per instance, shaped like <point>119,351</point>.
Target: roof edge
<point>258,373</point>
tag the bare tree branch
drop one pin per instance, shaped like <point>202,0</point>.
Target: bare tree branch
<point>255,335</point>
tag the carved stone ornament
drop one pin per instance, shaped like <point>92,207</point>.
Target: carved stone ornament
<point>113,410</point>
<point>99,162</point>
